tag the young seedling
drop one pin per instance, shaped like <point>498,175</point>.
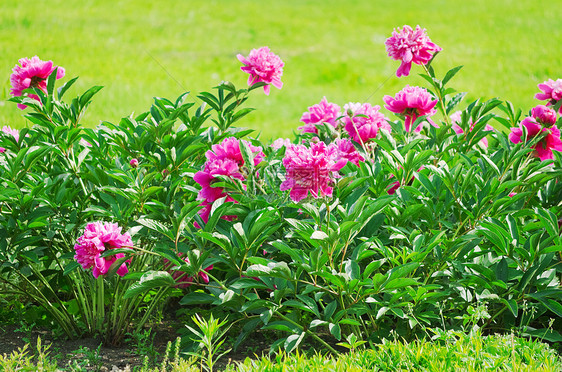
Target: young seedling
<point>209,336</point>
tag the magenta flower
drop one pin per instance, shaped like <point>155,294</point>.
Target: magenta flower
<point>544,115</point>
<point>2,150</point>
<point>412,102</point>
<point>134,163</point>
<point>224,159</point>
<point>183,280</point>
<point>551,91</point>
<point>363,121</point>
<point>32,73</point>
<point>98,237</point>
<point>456,119</point>
<point>263,66</point>
<point>311,170</point>
<point>321,113</point>
<point>347,151</point>
<point>543,149</point>
<point>410,46</point>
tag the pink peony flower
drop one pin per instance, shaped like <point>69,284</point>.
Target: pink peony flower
<point>544,115</point>
<point>183,280</point>
<point>543,149</point>
<point>551,91</point>
<point>412,102</point>
<point>456,119</point>
<point>2,150</point>
<point>311,170</point>
<point>97,238</point>
<point>134,163</point>
<point>321,113</point>
<point>32,73</point>
<point>280,142</point>
<point>410,46</point>
<point>263,66</point>
<point>224,159</point>
<point>363,121</point>
<point>347,151</point>
<point>10,131</point>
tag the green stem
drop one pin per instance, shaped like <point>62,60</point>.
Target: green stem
<point>440,97</point>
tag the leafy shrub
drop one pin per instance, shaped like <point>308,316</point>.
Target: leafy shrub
<point>389,225</point>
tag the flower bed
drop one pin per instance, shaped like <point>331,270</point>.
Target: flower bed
<point>359,226</point>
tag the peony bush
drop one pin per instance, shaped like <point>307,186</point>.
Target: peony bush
<point>357,227</point>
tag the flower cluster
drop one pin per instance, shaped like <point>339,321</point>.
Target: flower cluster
<point>541,122</point>
<point>551,91</point>
<point>456,120</point>
<point>224,159</point>
<point>97,238</point>
<point>311,170</point>
<point>263,66</point>
<point>412,102</point>
<point>321,113</point>
<point>32,73</point>
<point>410,46</point>
<point>363,121</point>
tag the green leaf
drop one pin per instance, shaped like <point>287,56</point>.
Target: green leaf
<point>70,267</point>
<point>335,330</point>
<point>400,283</point>
<point>62,90</point>
<point>511,305</point>
<point>449,75</point>
<point>197,298</point>
<point>148,281</point>
<point>293,341</point>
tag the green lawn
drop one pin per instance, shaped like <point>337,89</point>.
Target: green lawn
<point>138,49</point>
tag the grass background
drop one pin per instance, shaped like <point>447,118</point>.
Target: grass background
<point>138,49</point>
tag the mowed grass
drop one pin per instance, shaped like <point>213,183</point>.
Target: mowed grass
<point>138,49</point>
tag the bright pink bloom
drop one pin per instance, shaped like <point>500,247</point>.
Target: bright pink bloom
<point>512,194</point>
<point>98,237</point>
<point>321,113</point>
<point>263,66</point>
<point>2,150</point>
<point>410,46</point>
<point>456,120</point>
<point>551,91</point>
<point>224,159</point>
<point>311,170</point>
<point>280,142</point>
<point>347,151</point>
<point>32,73</point>
<point>183,280</point>
<point>412,102</point>
<point>544,115</point>
<point>363,121</point>
<point>543,149</point>
<point>134,163</point>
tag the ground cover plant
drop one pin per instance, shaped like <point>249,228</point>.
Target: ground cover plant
<point>426,225</point>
